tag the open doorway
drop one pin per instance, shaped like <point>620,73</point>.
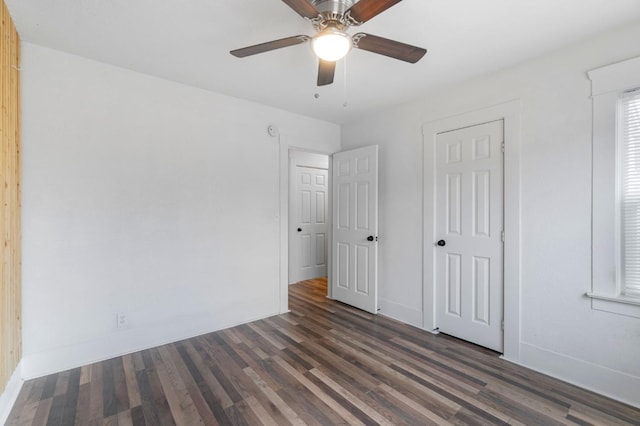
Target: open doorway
<point>308,225</point>
<point>347,252</point>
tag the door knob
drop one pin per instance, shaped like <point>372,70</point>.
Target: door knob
<point>441,243</point>
<point>299,229</point>
<point>370,238</point>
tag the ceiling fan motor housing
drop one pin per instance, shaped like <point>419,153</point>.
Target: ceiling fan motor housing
<point>333,6</point>
<point>332,13</point>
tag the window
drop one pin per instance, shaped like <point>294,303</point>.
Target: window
<point>615,255</point>
<point>629,192</point>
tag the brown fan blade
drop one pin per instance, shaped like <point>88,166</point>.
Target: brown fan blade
<point>304,8</point>
<point>367,9</point>
<point>270,45</point>
<point>326,71</point>
<point>391,48</point>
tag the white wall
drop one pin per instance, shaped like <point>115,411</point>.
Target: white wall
<point>560,333</point>
<point>146,197</point>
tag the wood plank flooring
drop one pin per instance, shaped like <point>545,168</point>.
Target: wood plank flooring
<point>323,363</point>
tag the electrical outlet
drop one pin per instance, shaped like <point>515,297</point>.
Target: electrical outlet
<point>122,320</point>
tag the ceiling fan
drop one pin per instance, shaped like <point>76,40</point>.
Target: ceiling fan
<point>331,19</point>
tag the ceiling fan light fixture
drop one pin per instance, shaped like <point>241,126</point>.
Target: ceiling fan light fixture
<point>331,44</point>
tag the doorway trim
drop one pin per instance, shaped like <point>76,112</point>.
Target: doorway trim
<point>283,217</point>
<point>510,112</point>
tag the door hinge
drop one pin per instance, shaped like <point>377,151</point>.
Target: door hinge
<point>502,236</point>
<point>502,325</point>
<point>503,147</point>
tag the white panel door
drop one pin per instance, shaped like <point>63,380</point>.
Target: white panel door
<point>469,225</point>
<point>310,210</point>
<point>355,228</point>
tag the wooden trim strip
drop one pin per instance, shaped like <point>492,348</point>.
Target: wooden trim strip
<point>10,199</point>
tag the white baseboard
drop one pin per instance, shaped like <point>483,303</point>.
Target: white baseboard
<point>10,394</point>
<point>401,312</point>
<point>126,341</point>
<point>605,381</point>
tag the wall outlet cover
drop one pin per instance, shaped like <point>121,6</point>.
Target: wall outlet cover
<point>122,320</point>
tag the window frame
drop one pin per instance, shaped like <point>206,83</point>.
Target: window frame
<point>622,288</point>
<point>608,84</point>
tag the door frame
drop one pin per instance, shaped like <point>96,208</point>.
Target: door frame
<point>283,218</point>
<point>510,112</point>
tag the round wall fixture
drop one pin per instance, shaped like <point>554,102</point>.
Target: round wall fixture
<point>273,131</point>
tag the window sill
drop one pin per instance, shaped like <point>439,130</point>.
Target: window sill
<point>621,305</point>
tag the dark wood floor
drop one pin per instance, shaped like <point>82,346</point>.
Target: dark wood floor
<point>323,363</point>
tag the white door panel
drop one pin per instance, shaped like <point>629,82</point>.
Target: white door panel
<point>469,217</point>
<point>310,223</point>
<point>355,228</point>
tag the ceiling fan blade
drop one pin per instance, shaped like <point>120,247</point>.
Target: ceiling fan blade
<point>304,8</point>
<point>391,48</point>
<point>326,71</point>
<point>270,45</point>
<point>367,9</point>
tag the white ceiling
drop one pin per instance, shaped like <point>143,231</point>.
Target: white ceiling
<point>189,42</point>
